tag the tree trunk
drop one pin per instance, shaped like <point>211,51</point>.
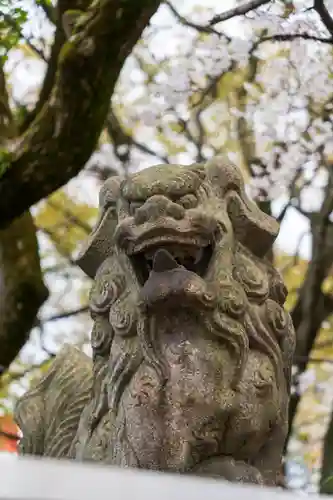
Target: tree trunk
<point>22,290</point>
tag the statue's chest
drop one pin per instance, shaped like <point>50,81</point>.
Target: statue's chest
<point>197,414</point>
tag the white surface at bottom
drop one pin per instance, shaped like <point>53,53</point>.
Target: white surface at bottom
<point>44,479</point>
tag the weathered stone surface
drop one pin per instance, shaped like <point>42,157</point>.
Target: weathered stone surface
<point>49,414</point>
<point>192,347</point>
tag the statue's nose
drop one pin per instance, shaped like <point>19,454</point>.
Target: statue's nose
<point>156,207</point>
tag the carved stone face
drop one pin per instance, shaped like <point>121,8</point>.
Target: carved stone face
<point>169,234</point>
<point>192,346</point>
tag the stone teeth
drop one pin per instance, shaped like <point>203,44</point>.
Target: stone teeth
<point>199,256</point>
<point>180,253</point>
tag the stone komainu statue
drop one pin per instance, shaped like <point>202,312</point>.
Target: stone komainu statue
<point>192,347</point>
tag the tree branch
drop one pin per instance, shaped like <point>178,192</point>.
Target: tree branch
<point>186,22</point>
<point>27,40</point>
<point>48,10</point>
<point>7,125</point>
<point>237,11</point>
<point>313,306</point>
<point>120,138</point>
<point>70,216</point>
<point>64,134</point>
<point>326,486</point>
<point>48,82</point>
<point>321,9</point>
<point>289,37</point>
<point>312,360</point>
<point>59,40</point>
<point>316,271</point>
<point>66,314</point>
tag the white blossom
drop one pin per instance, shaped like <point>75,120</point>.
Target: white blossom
<point>306,380</point>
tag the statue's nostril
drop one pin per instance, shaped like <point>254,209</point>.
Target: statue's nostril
<point>156,207</point>
<point>140,216</point>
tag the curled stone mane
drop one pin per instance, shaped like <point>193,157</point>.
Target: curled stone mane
<point>192,347</point>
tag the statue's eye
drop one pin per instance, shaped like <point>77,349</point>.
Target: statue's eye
<point>188,201</point>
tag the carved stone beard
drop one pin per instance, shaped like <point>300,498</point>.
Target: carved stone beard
<point>171,399</point>
<point>231,317</point>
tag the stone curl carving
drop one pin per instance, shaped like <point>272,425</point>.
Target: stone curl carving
<point>192,347</point>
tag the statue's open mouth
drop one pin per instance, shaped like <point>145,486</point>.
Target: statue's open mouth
<point>193,257</point>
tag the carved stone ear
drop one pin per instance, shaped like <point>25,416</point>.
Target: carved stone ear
<point>253,228</point>
<point>100,243</point>
<point>224,176</point>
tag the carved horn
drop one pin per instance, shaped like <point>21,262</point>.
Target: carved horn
<point>253,228</point>
<point>100,242</point>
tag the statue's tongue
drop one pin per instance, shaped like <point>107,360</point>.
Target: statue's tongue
<point>168,280</point>
<point>163,261</point>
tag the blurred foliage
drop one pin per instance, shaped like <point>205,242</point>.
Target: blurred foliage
<point>65,220</point>
<point>12,19</point>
